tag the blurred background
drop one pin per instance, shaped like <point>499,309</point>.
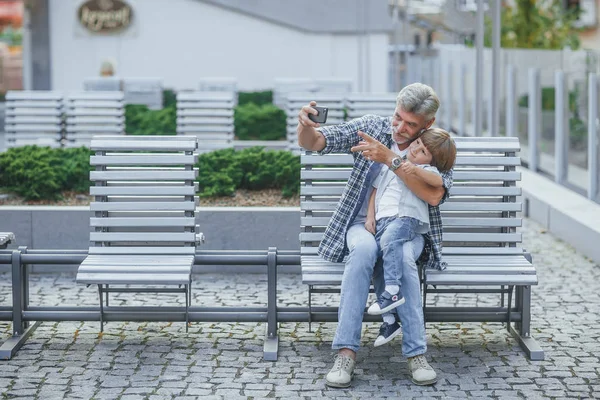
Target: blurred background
<point>231,71</point>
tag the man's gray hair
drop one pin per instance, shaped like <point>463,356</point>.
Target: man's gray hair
<point>419,99</point>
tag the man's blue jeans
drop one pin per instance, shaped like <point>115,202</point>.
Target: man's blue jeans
<point>360,268</point>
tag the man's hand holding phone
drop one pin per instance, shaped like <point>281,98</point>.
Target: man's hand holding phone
<point>311,115</point>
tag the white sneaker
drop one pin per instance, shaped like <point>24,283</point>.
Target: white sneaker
<point>421,372</point>
<point>340,375</point>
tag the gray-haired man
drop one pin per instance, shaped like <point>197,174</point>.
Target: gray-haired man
<point>378,142</point>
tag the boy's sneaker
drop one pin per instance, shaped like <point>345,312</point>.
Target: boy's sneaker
<point>387,332</point>
<point>385,303</point>
<point>421,372</point>
<point>340,375</point>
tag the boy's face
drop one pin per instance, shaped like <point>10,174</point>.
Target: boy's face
<point>418,153</point>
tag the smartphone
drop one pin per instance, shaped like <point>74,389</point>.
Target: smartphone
<point>321,117</point>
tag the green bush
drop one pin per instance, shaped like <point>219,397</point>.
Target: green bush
<point>258,98</point>
<point>221,172</point>
<point>253,122</point>
<point>42,173</point>
<point>139,120</point>
<point>548,99</point>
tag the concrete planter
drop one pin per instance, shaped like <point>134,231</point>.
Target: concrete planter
<point>225,228</point>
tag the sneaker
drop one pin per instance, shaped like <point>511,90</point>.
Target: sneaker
<point>421,372</point>
<point>385,303</point>
<point>340,375</point>
<point>387,332</point>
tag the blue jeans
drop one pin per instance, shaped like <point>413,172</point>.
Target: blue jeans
<point>360,268</point>
<point>390,236</point>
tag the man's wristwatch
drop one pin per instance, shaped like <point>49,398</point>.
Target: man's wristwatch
<point>396,162</point>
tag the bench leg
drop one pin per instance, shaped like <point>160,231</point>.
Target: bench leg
<point>522,333</point>
<point>107,295</point>
<point>187,307</point>
<point>101,309</point>
<point>15,342</point>
<point>310,308</point>
<point>510,293</point>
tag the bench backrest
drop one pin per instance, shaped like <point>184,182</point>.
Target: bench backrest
<point>33,117</point>
<point>359,104</point>
<point>93,113</point>
<point>144,195</point>
<point>480,215</point>
<point>207,116</point>
<point>148,91</point>
<point>296,100</point>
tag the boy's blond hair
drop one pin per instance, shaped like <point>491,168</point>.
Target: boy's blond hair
<point>441,146</point>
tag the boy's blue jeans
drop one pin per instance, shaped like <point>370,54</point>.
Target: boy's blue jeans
<point>360,268</point>
<point>391,234</point>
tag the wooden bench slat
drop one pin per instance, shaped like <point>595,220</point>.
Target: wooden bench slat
<point>143,175</point>
<point>116,222</point>
<point>142,190</point>
<point>134,250</point>
<point>189,237</point>
<point>143,206</point>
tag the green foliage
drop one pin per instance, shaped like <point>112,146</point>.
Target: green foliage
<point>223,171</point>
<point>548,99</point>
<point>258,98</point>
<point>37,173</point>
<point>253,122</point>
<point>139,120</point>
<point>535,24</point>
<point>169,98</point>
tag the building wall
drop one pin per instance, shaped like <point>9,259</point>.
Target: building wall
<point>184,40</point>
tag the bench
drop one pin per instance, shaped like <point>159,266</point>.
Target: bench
<point>6,238</point>
<point>207,116</point>
<point>93,113</point>
<point>143,230</point>
<point>481,243</point>
<point>33,118</point>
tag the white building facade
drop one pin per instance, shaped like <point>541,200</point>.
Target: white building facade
<point>182,41</point>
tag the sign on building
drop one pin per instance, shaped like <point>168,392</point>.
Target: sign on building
<point>105,16</point>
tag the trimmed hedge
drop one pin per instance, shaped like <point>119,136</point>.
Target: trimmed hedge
<point>43,173</point>
<point>258,98</point>
<point>253,122</point>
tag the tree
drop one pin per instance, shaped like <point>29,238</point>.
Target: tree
<point>537,24</point>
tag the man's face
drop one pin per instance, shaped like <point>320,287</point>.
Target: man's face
<point>407,126</point>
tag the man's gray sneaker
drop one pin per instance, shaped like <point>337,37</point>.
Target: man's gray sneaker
<point>420,371</point>
<point>340,375</point>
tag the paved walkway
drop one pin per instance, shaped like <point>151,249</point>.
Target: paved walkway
<point>224,360</point>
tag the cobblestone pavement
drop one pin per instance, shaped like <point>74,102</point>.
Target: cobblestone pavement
<point>70,360</point>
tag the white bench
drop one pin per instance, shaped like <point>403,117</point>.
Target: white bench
<point>33,118</point>
<point>93,113</point>
<point>359,104</point>
<point>481,243</point>
<point>208,116</point>
<point>143,229</point>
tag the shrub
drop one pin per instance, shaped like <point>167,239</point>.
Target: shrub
<point>548,99</point>
<point>266,122</point>
<point>139,120</point>
<point>258,98</point>
<point>42,173</point>
<point>223,171</point>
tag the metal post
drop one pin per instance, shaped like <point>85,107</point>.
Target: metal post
<point>593,164</point>
<point>18,295</point>
<point>27,50</point>
<point>535,113</point>
<point>493,124</point>
<point>449,99</point>
<point>560,128</point>
<point>511,101</point>
<point>271,340</point>
<point>462,99</point>
<point>478,126</point>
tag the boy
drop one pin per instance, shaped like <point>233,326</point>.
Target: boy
<point>401,213</point>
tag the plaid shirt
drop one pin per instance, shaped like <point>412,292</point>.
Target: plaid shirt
<point>339,139</point>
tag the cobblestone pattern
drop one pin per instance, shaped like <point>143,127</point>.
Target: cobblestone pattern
<point>130,361</point>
